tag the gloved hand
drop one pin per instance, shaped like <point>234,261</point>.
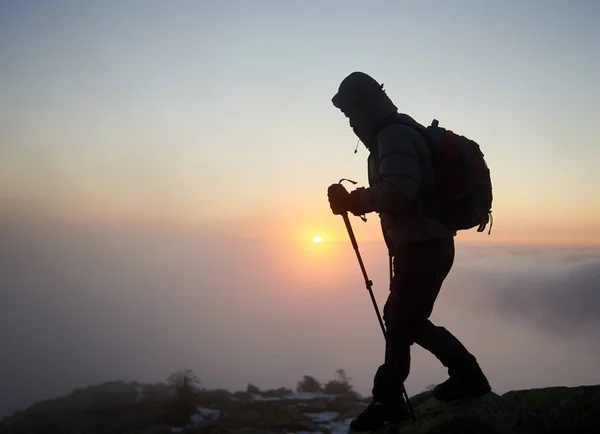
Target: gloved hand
<point>341,201</point>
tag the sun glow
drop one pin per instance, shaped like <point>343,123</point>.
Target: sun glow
<point>317,239</point>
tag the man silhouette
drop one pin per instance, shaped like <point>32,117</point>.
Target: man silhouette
<point>401,191</point>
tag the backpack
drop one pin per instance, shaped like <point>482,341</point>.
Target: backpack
<point>463,184</point>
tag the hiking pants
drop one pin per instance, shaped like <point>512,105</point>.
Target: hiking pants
<point>419,270</point>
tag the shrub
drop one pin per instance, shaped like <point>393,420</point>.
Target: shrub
<point>341,385</point>
<point>252,389</point>
<point>308,384</point>
<point>185,388</point>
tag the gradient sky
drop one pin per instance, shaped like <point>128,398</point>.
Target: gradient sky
<point>217,113</point>
<point>164,166</point>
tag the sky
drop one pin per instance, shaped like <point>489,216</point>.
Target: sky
<point>164,166</point>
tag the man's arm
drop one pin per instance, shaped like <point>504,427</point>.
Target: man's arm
<point>399,169</point>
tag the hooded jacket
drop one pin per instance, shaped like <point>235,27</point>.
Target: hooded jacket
<point>399,166</point>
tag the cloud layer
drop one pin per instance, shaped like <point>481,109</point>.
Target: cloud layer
<point>81,305</point>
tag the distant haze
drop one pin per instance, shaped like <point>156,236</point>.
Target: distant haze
<point>81,306</point>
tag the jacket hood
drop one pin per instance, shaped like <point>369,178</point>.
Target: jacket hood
<point>364,102</point>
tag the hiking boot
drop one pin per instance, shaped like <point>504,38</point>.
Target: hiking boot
<point>454,388</point>
<point>378,415</point>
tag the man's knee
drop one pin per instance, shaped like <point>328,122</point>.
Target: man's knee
<point>416,305</point>
<point>402,330</point>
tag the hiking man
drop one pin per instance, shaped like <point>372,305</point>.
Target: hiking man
<point>400,190</point>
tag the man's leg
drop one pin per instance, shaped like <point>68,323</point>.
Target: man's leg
<point>419,269</point>
<point>445,346</point>
<point>466,377</point>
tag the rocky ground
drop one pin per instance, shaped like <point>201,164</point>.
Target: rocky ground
<point>133,408</point>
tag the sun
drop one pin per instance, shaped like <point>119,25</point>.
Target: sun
<point>317,239</point>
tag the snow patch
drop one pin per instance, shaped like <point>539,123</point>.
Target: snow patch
<point>205,414</point>
<point>140,393</point>
<point>265,398</point>
<point>202,415</point>
<point>326,416</point>
<point>297,396</point>
<point>309,395</point>
<point>339,427</point>
<point>307,432</point>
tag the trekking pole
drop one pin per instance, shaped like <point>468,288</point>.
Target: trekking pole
<point>368,282</point>
<point>369,285</point>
